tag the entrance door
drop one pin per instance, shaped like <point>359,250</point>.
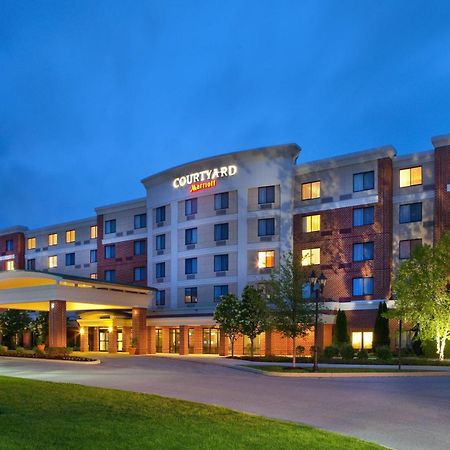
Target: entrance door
<point>174,340</point>
<point>211,340</point>
<point>158,340</point>
<point>103,339</point>
<point>119,340</point>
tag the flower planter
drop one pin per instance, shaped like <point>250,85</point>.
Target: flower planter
<point>131,350</point>
<point>41,347</point>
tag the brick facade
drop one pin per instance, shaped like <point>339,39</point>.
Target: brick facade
<point>18,250</point>
<point>442,197</point>
<point>337,236</point>
<point>124,262</point>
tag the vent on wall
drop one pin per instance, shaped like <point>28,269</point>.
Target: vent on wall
<point>345,197</point>
<point>326,199</point>
<point>130,232</point>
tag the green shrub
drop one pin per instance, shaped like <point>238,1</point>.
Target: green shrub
<point>330,352</point>
<point>20,350</point>
<point>3,348</point>
<point>300,350</point>
<point>383,353</point>
<point>59,352</point>
<point>429,349</point>
<point>363,354</point>
<point>347,351</point>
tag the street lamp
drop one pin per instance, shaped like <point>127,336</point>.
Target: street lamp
<point>317,285</point>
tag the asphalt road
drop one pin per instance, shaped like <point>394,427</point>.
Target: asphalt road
<point>403,413</point>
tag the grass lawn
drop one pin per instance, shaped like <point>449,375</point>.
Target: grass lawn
<point>43,415</point>
<point>289,369</point>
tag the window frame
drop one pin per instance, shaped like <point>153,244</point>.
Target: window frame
<point>191,266</point>
<point>311,257</point>
<point>218,231</point>
<point>70,236</point>
<point>221,262</point>
<point>265,232</point>
<point>218,198</point>
<point>160,269</point>
<point>192,294</point>
<point>266,194</point>
<point>263,257</point>
<point>139,247</point>
<point>160,297</point>
<point>192,233</point>
<point>70,259</point>
<point>370,175</point>
<point>310,185</point>
<point>410,207</point>
<point>410,169</point>
<point>191,206</point>
<point>418,243</point>
<point>31,243</point>
<point>110,226</point>
<point>308,222</point>
<point>364,251</point>
<point>112,248</point>
<point>160,213</point>
<point>365,282</point>
<point>140,221</point>
<point>218,297</point>
<point>141,271</point>
<point>364,211</point>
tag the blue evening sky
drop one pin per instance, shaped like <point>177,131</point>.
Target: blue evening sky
<point>96,95</point>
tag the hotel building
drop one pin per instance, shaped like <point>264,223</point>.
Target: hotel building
<point>211,227</point>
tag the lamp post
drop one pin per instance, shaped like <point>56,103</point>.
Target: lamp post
<point>317,285</point>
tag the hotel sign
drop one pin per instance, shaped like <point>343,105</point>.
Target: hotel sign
<point>205,179</point>
<point>7,257</point>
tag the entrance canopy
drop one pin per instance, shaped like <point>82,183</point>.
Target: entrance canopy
<point>33,291</point>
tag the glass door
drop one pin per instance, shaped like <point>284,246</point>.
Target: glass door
<point>103,339</point>
<point>119,340</point>
<point>211,337</point>
<point>174,340</point>
<point>158,340</point>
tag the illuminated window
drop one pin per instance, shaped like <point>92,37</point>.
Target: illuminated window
<point>362,339</point>
<point>266,259</point>
<point>190,295</point>
<point>311,223</point>
<point>94,276</point>
<point>310,256</point>
<point>31,243</point>
<point>52,239</point>
<point>94,232</point>
<point>412,176</point>
<point>10,265</point>
<point>311,190</point>
<point>52,262</point>
<point>70,236</point>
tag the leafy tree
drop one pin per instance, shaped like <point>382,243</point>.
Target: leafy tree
<point>13,322</point>
<point>254,316</point>
<point>340,331</point>
<point>228,315</point>
<point>291,314</point>
<point>381,328</point>
<point>40,326</point>
<point>421,287</point>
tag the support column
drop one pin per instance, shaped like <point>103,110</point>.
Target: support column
<point>112,340</point>
<point>198,340</point>
<point>26,338</point>
<point>57,325</point>
<point>165,340</point>
<point>139,323</point>
<point>223,344</point>
<point>96,340</point>
<point>184,340</point>
<point>84,339</point>
<point>151,340</point>
<point>126,336</point>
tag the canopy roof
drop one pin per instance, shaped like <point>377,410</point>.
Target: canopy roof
<point>33,291</point>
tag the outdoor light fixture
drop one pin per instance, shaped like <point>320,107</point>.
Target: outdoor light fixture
<point>81,331</point>
<point>317,285</point>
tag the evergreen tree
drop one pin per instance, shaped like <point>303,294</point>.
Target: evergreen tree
<point>381,328</point>
<point>12,323</point>
<point>340,332</point>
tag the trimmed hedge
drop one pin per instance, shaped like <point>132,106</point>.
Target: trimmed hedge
<point>37,355</point>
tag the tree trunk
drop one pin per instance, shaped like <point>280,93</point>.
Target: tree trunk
<point>251,347</point>
<point>294,352</point>
<point>232,347</point>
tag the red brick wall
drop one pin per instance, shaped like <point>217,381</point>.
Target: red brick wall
<point>124,262</point>
<point>442,197</point>
<point>336,239</point>
<point>18,250</point>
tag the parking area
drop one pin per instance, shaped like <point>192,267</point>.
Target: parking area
<point>403,413</point>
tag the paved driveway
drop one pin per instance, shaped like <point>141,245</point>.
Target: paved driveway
<point>403,413</point>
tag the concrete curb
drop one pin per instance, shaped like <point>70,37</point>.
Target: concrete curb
<point>60,361</point>
<point>345,375</point>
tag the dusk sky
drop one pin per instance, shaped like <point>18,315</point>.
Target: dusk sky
<point>96,95</point>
